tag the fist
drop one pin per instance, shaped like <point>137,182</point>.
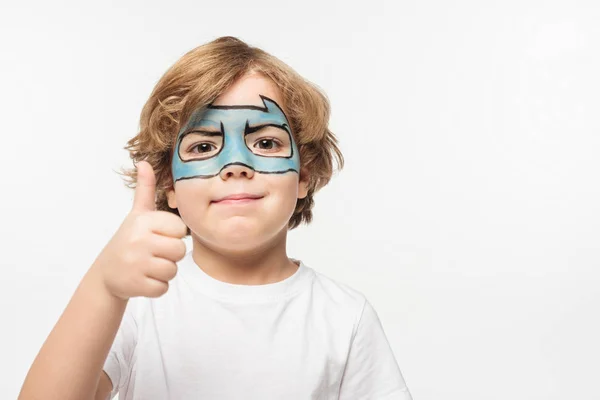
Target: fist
<point>140,259</point>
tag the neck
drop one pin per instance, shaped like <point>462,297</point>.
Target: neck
<point>266,264</point>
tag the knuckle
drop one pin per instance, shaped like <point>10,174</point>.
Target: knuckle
<point>182,225</point>
<point>143,223</point>
<point>139,237</point>
<point>172,271</point>
<point>181,250</point>
<point>167,215</point>
<point>158,289</point>
<point>177,221</point>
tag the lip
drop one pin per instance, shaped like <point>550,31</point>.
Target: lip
<point>238,198</point>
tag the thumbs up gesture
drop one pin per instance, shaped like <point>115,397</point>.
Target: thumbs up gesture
<point>140,259</point>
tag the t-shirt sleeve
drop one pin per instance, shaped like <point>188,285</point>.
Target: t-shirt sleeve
<point>118,362</point>
<point>372,371</point>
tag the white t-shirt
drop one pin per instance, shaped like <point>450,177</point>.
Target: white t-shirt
<point>305,337</point>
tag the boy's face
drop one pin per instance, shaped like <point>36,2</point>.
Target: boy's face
<point>242,144</point>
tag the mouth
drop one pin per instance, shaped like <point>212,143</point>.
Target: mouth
<point>239,198</point>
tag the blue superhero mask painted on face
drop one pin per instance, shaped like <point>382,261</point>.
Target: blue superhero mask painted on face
<point>257,137</point>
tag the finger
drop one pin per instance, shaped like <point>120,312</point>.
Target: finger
<point>145,190</point>
<point>161,269</point>
<point>168,224</point>
<point>166,247</point>
<point>154,288</point>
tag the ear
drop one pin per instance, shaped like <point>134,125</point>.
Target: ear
<point>171,199</point>
<point>303,183</point>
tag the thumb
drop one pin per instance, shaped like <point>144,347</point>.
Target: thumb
<point>145,190</point>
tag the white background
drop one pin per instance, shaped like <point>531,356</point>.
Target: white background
<point>467,213</point>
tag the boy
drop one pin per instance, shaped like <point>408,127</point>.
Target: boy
<point>232,147</point>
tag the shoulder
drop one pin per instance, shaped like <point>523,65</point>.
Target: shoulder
<point>337,289</point>
<point>338,296</point>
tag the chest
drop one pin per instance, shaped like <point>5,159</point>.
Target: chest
<point>286,350</point>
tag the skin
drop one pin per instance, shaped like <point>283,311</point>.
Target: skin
<point>241,243</point>
<point>139,260</point>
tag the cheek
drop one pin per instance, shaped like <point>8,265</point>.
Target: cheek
<point>284,190</point>
<point>192,196</point>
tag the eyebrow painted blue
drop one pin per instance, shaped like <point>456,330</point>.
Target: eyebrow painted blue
<point>233,121</point>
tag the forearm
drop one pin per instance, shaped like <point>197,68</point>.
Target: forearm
<point>70,361</point>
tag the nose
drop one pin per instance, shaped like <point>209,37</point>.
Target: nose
<point>236,170</point>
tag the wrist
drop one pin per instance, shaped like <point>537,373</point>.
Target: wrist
<point>96,277</point>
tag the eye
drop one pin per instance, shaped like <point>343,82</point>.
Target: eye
<point>202,148</point>
<point>267,144</point>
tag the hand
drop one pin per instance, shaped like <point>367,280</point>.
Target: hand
<point>140,259</point>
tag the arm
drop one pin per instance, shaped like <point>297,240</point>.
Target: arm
<point>371,370</point>
<point>139,260</point>
<point>104,387</point>
<point>69,364</point>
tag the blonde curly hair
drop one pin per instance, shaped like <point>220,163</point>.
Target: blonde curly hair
<point>197,79</point>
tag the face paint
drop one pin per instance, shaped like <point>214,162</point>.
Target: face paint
<point>230,135</point>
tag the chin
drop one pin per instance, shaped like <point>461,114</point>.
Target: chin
<point>235,236</point>
<point>240,238</point>
<point>234,244</point>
